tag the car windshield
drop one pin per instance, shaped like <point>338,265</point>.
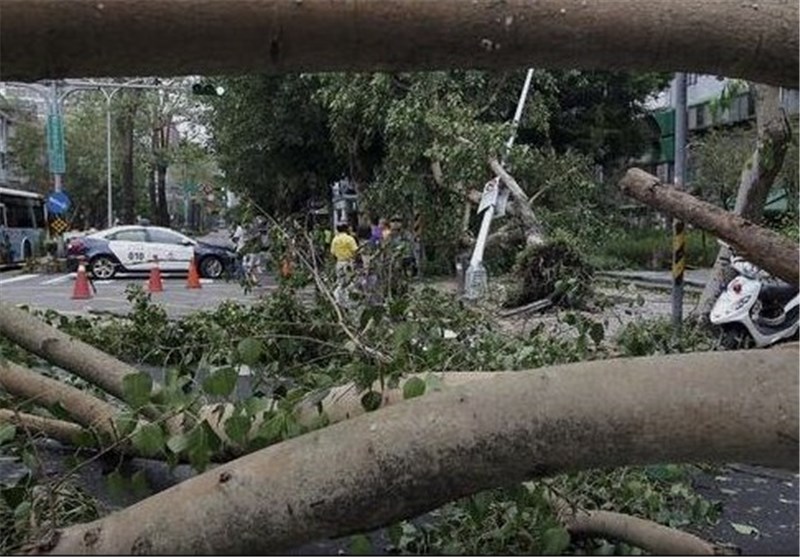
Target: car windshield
<point>131,235</point>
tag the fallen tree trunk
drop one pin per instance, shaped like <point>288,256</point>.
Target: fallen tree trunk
<point>80,38</point>
<point>757,177</point>
<point>64,432</point>
<point>762,247</point>
<point>67,352</point>
<point>378,468</point>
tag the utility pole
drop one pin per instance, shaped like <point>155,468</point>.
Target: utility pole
<point>476,280</point>
<point>678,230</point>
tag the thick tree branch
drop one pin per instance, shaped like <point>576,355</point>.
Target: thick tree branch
<point>761,246</point>
<point>80,38</point>
<point>65,432</point>
<point>67,352</point>
<point>377,468</point>
<point>86,409</point>
<point>534,234</point>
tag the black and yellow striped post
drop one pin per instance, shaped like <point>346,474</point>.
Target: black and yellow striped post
<point>678,227</point>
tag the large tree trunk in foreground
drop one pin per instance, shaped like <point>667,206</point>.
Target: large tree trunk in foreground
<point>406,459</point>
<point>757,177</point>
<point>763,247</point>
<point>80,38</point>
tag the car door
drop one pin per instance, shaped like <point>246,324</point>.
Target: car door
<point>174,250</point>
<point>129,246</point>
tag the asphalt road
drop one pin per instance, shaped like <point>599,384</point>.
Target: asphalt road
<point>45,291</point>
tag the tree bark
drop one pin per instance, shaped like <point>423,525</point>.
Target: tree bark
<point>534,234</point>
<point>762,247</point>
<point>86,409</point>
<point>757,177</point>
<point>379,468</point>
<point>64,432</point>
<point>126,123</point>
<point>55,39</point>
<point>71,354</point>
<point>654,538</point>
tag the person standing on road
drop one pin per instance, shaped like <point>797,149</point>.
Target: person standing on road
<point>344,249</point>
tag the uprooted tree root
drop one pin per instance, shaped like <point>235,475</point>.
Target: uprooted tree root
<point>554,270</point>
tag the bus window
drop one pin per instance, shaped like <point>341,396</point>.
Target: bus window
<point>38,213</point>
<point>18,213</point>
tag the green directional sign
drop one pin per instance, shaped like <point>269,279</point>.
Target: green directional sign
<point>55,144</point>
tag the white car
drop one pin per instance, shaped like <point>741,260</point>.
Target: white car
<point>136,248</point>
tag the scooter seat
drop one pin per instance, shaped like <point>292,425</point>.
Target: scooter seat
<point>777,294</point>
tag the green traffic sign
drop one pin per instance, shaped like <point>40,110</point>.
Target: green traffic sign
<point>55,144</point>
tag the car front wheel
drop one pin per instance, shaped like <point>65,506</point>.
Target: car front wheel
<point>103,267</point>
<point>211,267</point>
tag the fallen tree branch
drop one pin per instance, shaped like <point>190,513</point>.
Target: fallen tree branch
<point>86,409</point>
<point>538,305</point>
<point>56,39</point>
<point>64,432</point>
<point>761,246</point>
<point>59,348</point>
<point>377,468</point>
<point>534,233</point>
<point>646,534</point>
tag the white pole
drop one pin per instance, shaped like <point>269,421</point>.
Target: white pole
<point>110,214</point>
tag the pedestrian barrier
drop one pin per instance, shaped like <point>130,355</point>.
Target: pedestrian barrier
<point>154,284</point>
<point>81,290</point>
<point>193,280</point>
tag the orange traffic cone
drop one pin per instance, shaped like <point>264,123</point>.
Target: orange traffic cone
<point>193,281</point>
<point>154,284</point>
<point>81,290</point>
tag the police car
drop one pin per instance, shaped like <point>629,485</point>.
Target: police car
<point>135,248</point>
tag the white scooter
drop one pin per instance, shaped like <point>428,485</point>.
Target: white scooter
<point>755,308</point>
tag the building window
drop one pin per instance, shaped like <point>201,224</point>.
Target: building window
<point>701,116</point>
<point>691,79</point>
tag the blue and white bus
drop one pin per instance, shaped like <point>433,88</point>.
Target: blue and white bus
<point>23,225</point>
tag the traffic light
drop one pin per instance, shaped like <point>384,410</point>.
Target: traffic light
<point>207,89</point>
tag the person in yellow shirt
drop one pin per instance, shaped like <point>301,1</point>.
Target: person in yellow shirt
<point>343,248</point>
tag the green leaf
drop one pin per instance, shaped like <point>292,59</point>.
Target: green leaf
<point>125,424</point>
<point>178,443</point>
<point>203,443</point>
<point>555,541</point>
<point>371,400</point>
<point>139,484</point>
<point>149,439</point>
<point>221,382</point>
<point>249,350</point>
<point>136,388</point>
<point>237,428</point>
<point>414,387</point>
<point>395,533</point>
<point>7,432</point>
<point>360,545</point>
<point>272,429</point>
<point>117,484</point>
<point>745,529</point>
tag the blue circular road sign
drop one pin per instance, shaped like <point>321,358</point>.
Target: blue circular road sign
<point>58,203</point>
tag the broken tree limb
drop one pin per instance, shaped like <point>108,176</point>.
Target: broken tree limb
<point>406,459</point>
<point>756,179</point>
<point>534,234</point>
<point>84,408</point>
<point>654,538</point>
<point>81,38</point>
<point>538,305</point>
<point>58,348</point>
<point>65,432</point>
<point>761,246</point>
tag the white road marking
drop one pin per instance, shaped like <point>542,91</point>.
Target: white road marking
<point>102,281</point>
<point>62,278</point>
<point>206,281</point>
<point>19,278</point>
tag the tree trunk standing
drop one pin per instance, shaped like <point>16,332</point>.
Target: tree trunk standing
<point>376,469</point>
<point>763,247</point>
<point>53,38</point>
<point>151,190</point>
<point>163,212</point>
<point>126,122</point>
<point>757,177</point>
